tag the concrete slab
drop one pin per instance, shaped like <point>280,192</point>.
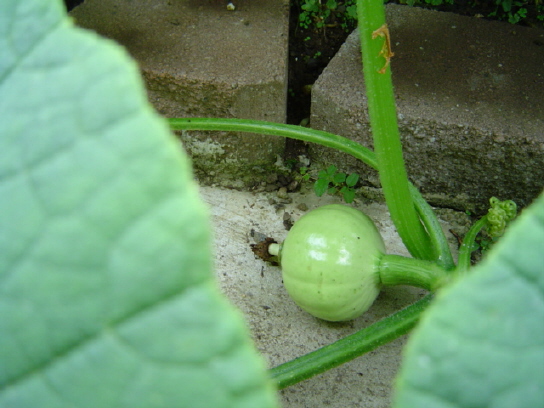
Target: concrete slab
<point>470,106</point>
<point>280,329</point>
<point>198,59</point>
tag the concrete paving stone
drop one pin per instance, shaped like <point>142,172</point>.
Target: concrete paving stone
<point>200,60</point>
<point>281,330</point>
<point>470,100</point>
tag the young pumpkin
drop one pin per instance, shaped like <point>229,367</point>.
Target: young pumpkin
<point>330,260</point>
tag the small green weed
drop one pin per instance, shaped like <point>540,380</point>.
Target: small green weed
<point>304,173</point>
<point>333,182</point>
<point>513,11</point>
<point>324,13</point>
<point>429,2</point>
<point>291,92</point>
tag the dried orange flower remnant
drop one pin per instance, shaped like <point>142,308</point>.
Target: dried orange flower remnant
<point>383,31</point>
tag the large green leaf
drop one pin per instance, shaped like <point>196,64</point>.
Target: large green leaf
<point>481,344</point>
<point>106,293</point>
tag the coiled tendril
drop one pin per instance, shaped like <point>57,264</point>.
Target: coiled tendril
<point>499,215</point>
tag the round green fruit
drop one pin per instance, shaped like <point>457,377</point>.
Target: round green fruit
<point>329,262</point>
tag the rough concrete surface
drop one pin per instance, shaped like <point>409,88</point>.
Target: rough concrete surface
<point>470,106</point>
<point>280,329</point>
<point>200,60</point>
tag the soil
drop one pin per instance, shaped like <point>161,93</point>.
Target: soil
<point>310,51</point>
<point>70,4</point>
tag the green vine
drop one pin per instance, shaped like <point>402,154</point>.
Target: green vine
<point>349,347</point>
<point>376,52</point>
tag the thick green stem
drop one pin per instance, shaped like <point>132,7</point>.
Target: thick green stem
<point>400,270</point>
<point>376,52</point>
<point>277,129</point>
<point>350,347</point>
<point>439,242</point>
<point>469,245</point>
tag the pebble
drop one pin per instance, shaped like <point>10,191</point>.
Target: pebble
<point>302,207</point>
<point>272,178</point>
<point>282,193</point>
<point>293,185</point>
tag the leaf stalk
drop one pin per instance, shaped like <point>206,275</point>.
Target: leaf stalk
<point>376,55</point>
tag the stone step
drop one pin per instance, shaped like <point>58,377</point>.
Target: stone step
<point>470,100</point>
<point>198,59</point>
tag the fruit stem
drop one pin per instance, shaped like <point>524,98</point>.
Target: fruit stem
<point>274,249</point>
<point>400,270</point>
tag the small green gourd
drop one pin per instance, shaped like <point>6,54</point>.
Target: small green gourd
<point>329,262</point>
